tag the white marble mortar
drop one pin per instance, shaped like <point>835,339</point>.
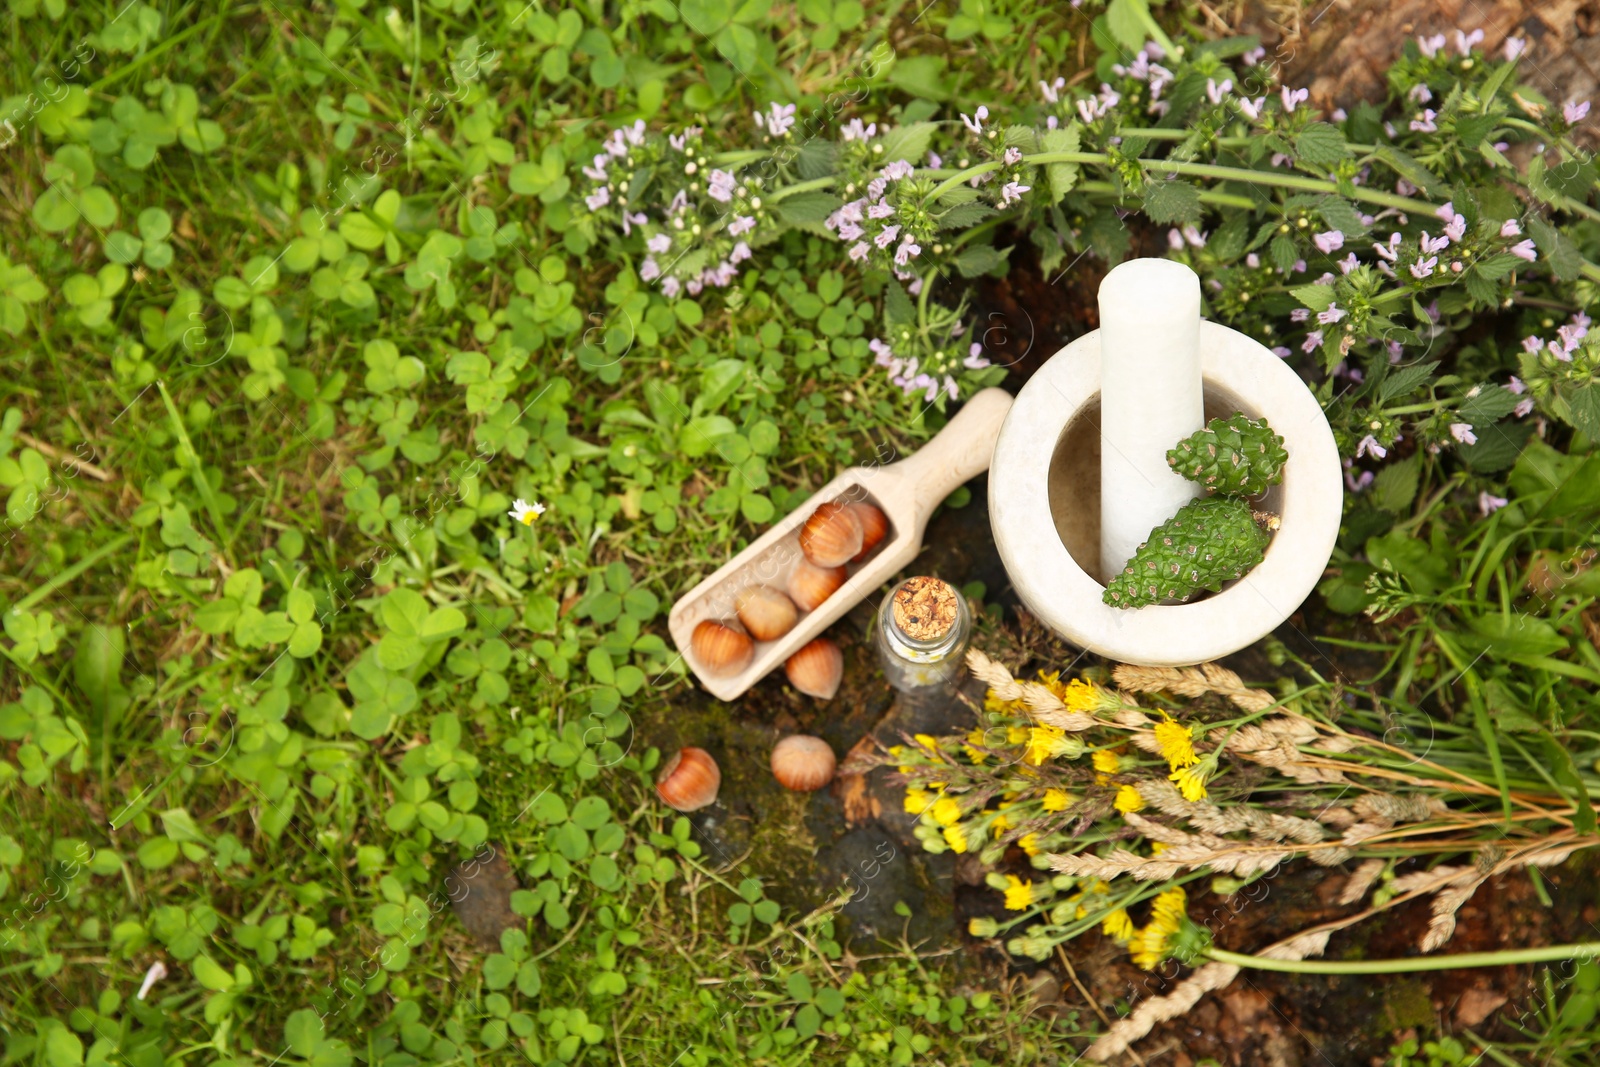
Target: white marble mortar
<point>1044,494</point>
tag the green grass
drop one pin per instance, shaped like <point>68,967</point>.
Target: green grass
<point>297,300</point>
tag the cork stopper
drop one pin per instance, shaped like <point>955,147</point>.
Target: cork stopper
<point>924,608</point>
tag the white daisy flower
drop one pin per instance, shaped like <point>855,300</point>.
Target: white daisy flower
<point>524,512</point>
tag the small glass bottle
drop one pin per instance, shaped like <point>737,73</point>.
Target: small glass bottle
<point>924,628</point>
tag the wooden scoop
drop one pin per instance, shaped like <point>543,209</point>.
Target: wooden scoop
<point>906,492</point>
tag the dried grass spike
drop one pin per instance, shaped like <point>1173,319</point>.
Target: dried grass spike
<point>1360,880</point>
<point>1145,1017</point>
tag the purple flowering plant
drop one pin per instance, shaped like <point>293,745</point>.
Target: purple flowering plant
<point>1365,240</point>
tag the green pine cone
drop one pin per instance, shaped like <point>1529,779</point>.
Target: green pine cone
<point>1209,541</point>
<point>1237,456</point>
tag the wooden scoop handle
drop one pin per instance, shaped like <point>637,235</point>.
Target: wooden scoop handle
<point>957,453</point>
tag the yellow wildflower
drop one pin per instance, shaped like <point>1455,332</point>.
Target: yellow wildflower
<point>1118,926</point>
<point>1158,847</point>
<point>918,801</point>
<point>1057,800</point>
<point>954,838</point>
<point>1015,735</point>
<point>1128,799</point>
<point>1166,916</point>
<point>1042,744</point>
<point>1107,761</point>
<point>982,926</point>
<point>1191,783</point>
<point>1019,894</point>
<point>976,738</point>
<point>1000,825</point>
<point>927,742</point>
<point>946,812</point>
<point>1029,844</point>
<point>1177,744</point>
<point>1080,696</point>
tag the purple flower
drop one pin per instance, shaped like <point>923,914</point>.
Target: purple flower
<point>781,117</point>
<point>876,187</point>
<point>1488,504</point>
<point>1013,156</point>
<point>975,124</point>
<point>649,270</point>
<point>1424,267</point>
<point>1358,485</point>
<point>1425,124</point>
<point>597,173</point>
<point>1515,46</point>
<point>1456,228</point>
<point>849,231</point>
<point>1369,446</point>
<point>693,286</point>
<point>851,212</point>
<point>1387,251</point>
<point>1251,108</point>
<point>855,131</point>
<point>1175,240</point>
<point>859,251</point>
<point>1348,263</point>
<point>1193,236</point>
<point>1294,97</point>
<point>1575,111</point>
<point>671,287</point>
<point>936,161</point>
<point>740,253</point>
<point>1330,241</point>
<point>886,237</point>
<point>1216,92</point>
<point>1254,56</point>
<point>1524,250</point>
<point>1281,352</point>
<point>719,183</point>
<point>1012,191</point>
<point>660,243</point>
<point>1420,93</point>
<point>1462,432</point>
<point>1510,228</point>
<point>1430,45</point>
<point>1524,406</point>
<point>1085,111</point>
<point>630,221</point>
<point>897,170</point>
<point>1465,41</point>
<point>1299,314</point>
<point>1430,245</point>
<point>906,252</point>
<point>1052,93</point>
<point>1312,342</point>
<point>598,199</point>
<point>1395,351</point>
<point>1571,335</point>
<point>1332,315</point>
<point>1515,386</point>
<point>741,224</point>
<point>975,359</point>
<point>1299,266</point>
<point>881,210</point>
<point>881,351</point>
